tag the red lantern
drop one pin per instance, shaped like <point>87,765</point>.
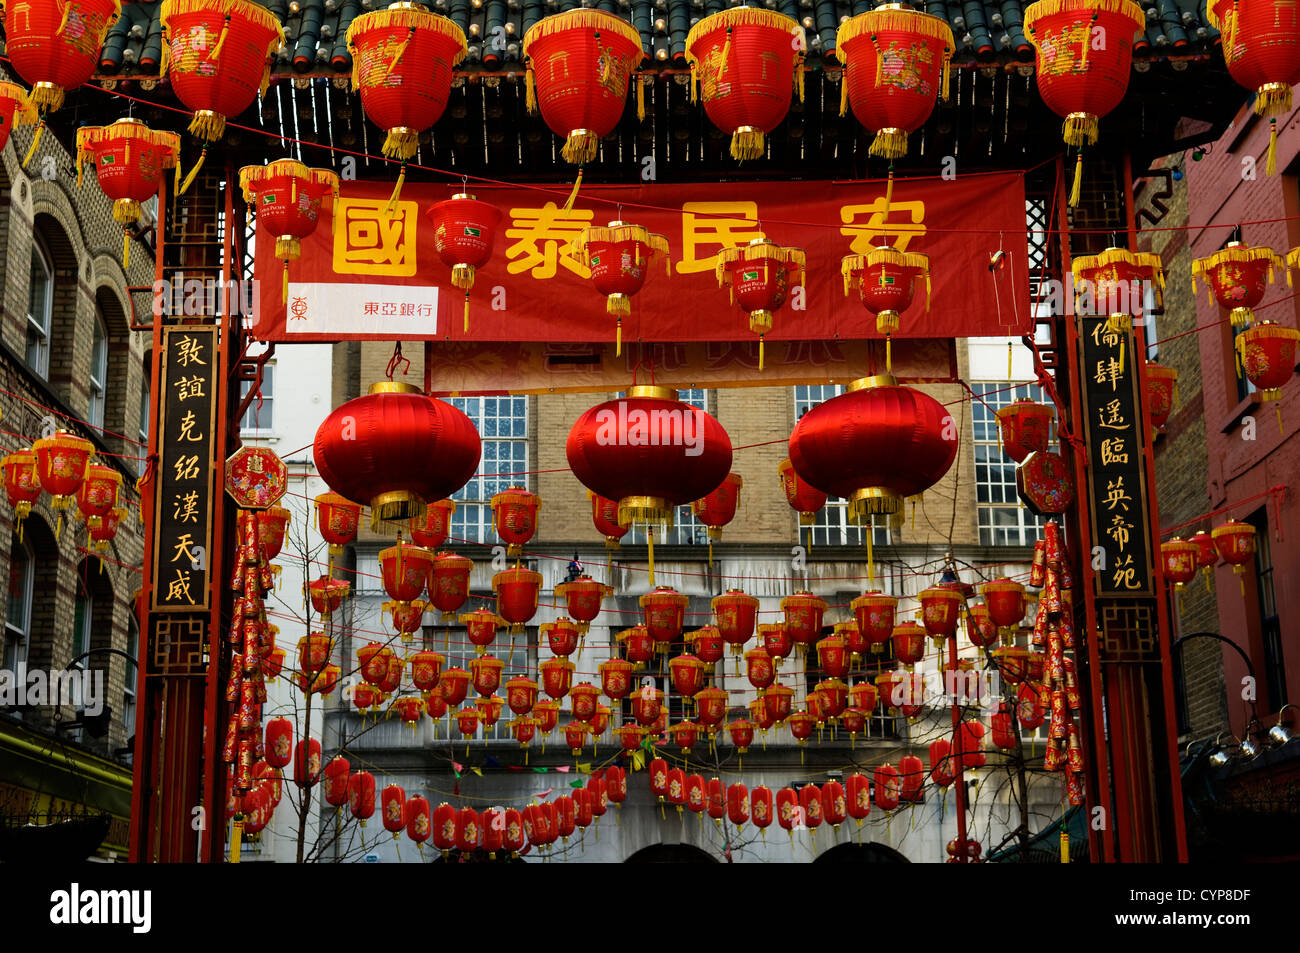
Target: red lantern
<point>615,782</point>
<point>649,451</point>
<point>565,816</point>
<point>405,570</point>
<point>647,704</point>
<point>22,485</point>
<point>485,673</point>
<point>970,744</point>
<point>1238,276</point>
<point>514,831</point>
<point>582,813</point>
<point>832,657</point>
<point>547,713</point>
<point>1261,46</point>
<point>129,159</point>
<point>561,636</point>
<point>55,47</point>
<point>803,498</point>
<point>604,514</point>
<point>481,628</point>
<point>338,778</point>
<point>619,256</point>
<point>467,722</point>
<point>747,62</point>
<point>1235,544</point>
<point>1004,733</point>
<point>1080,79</point>
<point>737,804</point>
<point>557,676</point>
<point>402,60</point>
<point>789,813</point>
<point>61,464</point>
<point>372,659</point>
<point>272,522</point>
<point>521,694</point>
<point>444,828</point>
<point>801,723</point>
<point>888,787</point>
<point>523,729</point>
<point>314,652</point>
<point>658,772</point>
<point>599,722</point>
<point>467,830</point>
<point>638,643</point>
<point>759,669</point>
<point>735,613</point>
<point>803,616</point>
<point>407,617</point>
<point>810,801</point>
<point>718,508</point>
<point>760,276</point>
<point>874,613</point>
<point>711,708</point>
<point>514,517</point>
<point>279,742</point>
<point>1206,554</point>
<point>742,734</point>
<point>896,63</point>
<point>776,641</point>
<point>464,231</point>
<point>489,709</point>
<point>426,668</point>
<point>909,643</point>
<point>696,794</point>
<point>396,450</point>
<point>337,518</point>
<point>854,643</point>
<point>761,807</point>
<point>854,721</point>
<point>327,594</point>
<point>940,609</point>
<point>575,736</point>
<point>684,735</point>
<point>1114,281</point>
<point>454,683</point>
<point>857,790</point>
<point>517,591</point>
<point>665,611</point>
<point>1159,386</point>
<point>434,703</point>
<point>687,673</point>
<point>106,531</point>
<point>16,109</point>
<point>449,583</point>
<point>431,530</point>
<point>274,662</point>
<point>887,689</point>
<point>288,198</point>
<point>863,696</point>
<point>580,62</point>
<point>419,820</point>
<point>306,763</point>
<point>835,696</point>
<point>1268,358</point>
<point>707,642</point>
<point>629,736</point>
<point>616,678</point>
<point>217,55</point>
<point>1005,599</point>
<point>1179,558</point>
<point>980,627</point>
<point>779,702</point>
<point>911,772</point>
<point>886,280</point>
<point>361,796</point>
<point>1025,427</point>
<point>584,697</point>
<point>583,597</point>
<point>874,445</point>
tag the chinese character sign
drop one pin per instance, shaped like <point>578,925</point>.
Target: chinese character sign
<point>184,481</point>
<point>371,275</point>
<point>1116,470</point>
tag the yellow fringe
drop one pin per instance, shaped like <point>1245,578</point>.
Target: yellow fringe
<point>36,143</point>
<point>747,144</point>
<point>408,19</point>
<point>730,19</point>
<point>1243,254</point>
<point>530,91</point>
<point>593,20</point>
<point>189,179</point>
<point>580,147</point>
<point>1076,190</point>
<point>889,144</point>
<point>1080,129</point>
<point>47,99</point>
<point>1043,9</point>
<point>397,190</point>
<point>907,20</point>
<point>573,196</point>
<point>844,91</point>
<point>640,99</point>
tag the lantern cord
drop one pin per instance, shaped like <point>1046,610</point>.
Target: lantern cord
<point>36,142</point>
<point>396,360</point>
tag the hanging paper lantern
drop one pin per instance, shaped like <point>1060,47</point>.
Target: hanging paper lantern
<point>514,517</point>
<point>98,495</point>
<point>547,714</point>
<point>288,198</point>
<point>426,670</point>
<point>444,828</point>
<point>658,772</point>
<point>467,830</point>
<point>1045,482</point>
<point>61,464</point>
<point>887,688</point>
<point>687,672</point>
<point>485,674</point>
<point>583,597</point>
<point>521,694</point>
<point>579,64</point>
<point>1113,282</point>
<point>888,787</point>
<point>306,763</point>
<point>22,485</point>
<point>1005,599</point>
<point>834,696</point>
<point>489,709</point>
<point>747,62</point>
<point>396,450</point>
<point>719,508</point>
<point>735,614</point>
<point>419,820</point>
<point>517,591</point>
<point>647,703</point>
<point>464,231</point>
<point>803,616</point>
<point>1235,544</point>
<point>649,477</point>
<point>523,729</point>
<point>854,644</point>
<point>759,669</point>
<point>514,832</point>
<point>629,736</point>
<point>613,785</point>
<point>638,644</point>
<point>337,518</point>
<point>1179,558</point>
<point>1206,554</point>
<point>1003,733</point>
<point>584,697</point>
<point>599,722</point>
<point>557,676</point>
<point>1261,46</point>
<point>405,570</point>
<point>940,610</point>
<point>980,627</point>
<point>449,583</point>
<point>737,804</point>
<point>759,714</point>
<point>854,721</point>
<point>402,60</point>
<point>575,736</point>
<point>1012,662</point>
<point>327,594</point>
<point>616,678</point>
<point>1268,358</point>
<point>909,643</point>
<point>372,659</point>
<point>801,724</point>
<point>863,696</point>
<point>565,816</point>
<point>1159,385</point>
<point>604,514</point>
<point>742,734</point>
<point>272,522</point>
<point>454,683</point>
<point>857,791</point>
<point>55,48</point>
<point>16,109</point>
<point>314,652</point>
<point>217,54</point>
<point>874,613</point>
<point>696,794</point>
<point>665,612</point>
<point>279,742</point>
<point>619,256</point>
<point>707,642</point>
<point>274,661</point>
<point>1238,276</point>
<point>885,280</point>
<point>1080,79</point>
<point>407,617</point>
<point>789,813</point>
<point>911,774</point>
<point>684,735</point>
<point>561,636</point>
<point>779,703</point>
<point>760,277</point>
<point>970,744</point>
<point>762,808</point>
<point>711,708</point>
<point>677,793</point>
<point>803,498</point>
<point>129,159</point>
<point>776,641</point>
<point>1025,427</point>
<point>337,776</point>
<point>409,709</point>
<point>361,796</point>
<point>430,531</point>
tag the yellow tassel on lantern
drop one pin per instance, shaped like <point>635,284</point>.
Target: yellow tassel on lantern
<point>844,91</point>
<point>397,190</point>
<point>1065,846</point>
<point>640,99</point>
<point>466,327</point>
<point>215,55</point>
<point>36,143</point>
<point>530,91</point>
<point>1271,167</point>
<point>573,196</point>
<point>650,548</point>
<point>194,172</point>
<point>1076,190</point>
<point>126,249</point>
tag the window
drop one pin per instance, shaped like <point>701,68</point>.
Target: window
<point>503,424</point>
<point>1270,627</point>
<point>687,530</point>
<point>1003,519</point>
<point>82,612</point>
<point>144,413</point>
<point>518,651</point>
<point>40,309</point>
<point>128,691</point>
<point>18,616</point>
<point>865,668</point>
<point>833,526</point>
<point>98,371</point>
<point>260,416</point>
<point>1244,387</point>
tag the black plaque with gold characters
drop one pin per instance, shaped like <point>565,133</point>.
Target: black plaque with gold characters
<point>186,471</point>
<point>1115,437</point>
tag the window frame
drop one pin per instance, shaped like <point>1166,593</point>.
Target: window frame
<point>128,684</point>
<point>263,418</point>
<point>40,254</point>
<point>98,388</point>
<point>986,452</point>
<point>17,640</point>
<point>472,520</point>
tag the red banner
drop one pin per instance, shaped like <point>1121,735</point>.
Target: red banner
<point>371,275</point>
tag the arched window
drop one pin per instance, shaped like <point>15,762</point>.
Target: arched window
<point>98,370</point>
<point>40,308</point>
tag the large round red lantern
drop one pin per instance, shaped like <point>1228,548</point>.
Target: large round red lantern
<point>464,230</point>
<point>129,159</point>
<point>1268,358</point>
<point>665,613</point>
<point>874,613</point>
<point>327,594</point>
<point>1025,427</point>
<point>521,694</point>
<point>288,198</point>
<point>279,742</point>
<point>449,582</point>
<point>1238,276</point>
<point>426,669</point>
<point>649,451</point>
<point>61,464</point>
<point>980,627</point>
<point>514,517</point>
<point>396,450</point>
<point>863,696</point>
<point>584,698</point>
<point>647,703</point>
<point>760,277</point>
<point>896,64</point>
<point>735,614</point>
<point>776,641</point>
<point>719,508</point>
<point>402,60</point>
<point>684,735</point>
<point>803,617</point>
<point>619,256</point>
<point>517,591</point>
<point>1079,78</point>
<point>747,62</point>
<point>217,55</point>
<point>1261,45</point>
<point>547,714</point>
<point>485,673</point>
<point>489,709</point>
<point>886,280</point>
<point>1235,543</point>
<point>579,66</point>
<point>405,570</point>
<point>832,656</point>
<point>583,597</point>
